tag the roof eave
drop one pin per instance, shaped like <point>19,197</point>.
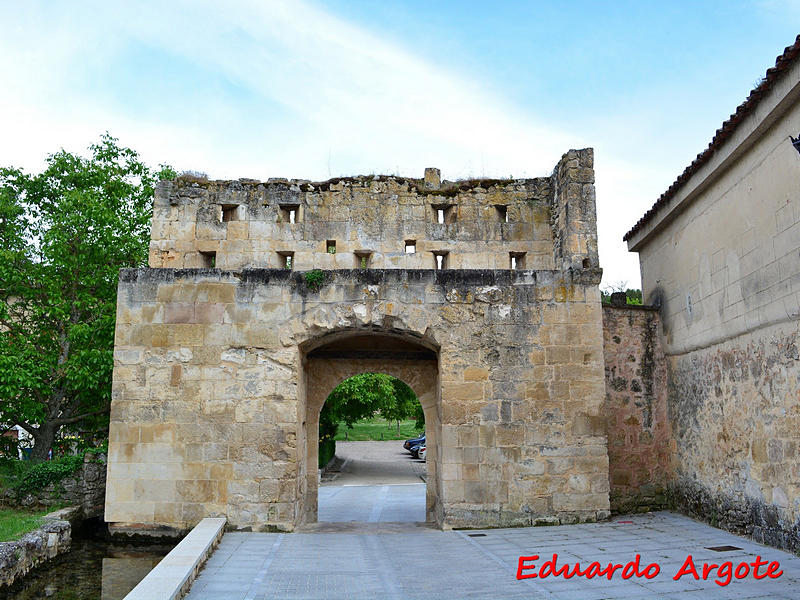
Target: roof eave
<point>779,89</point>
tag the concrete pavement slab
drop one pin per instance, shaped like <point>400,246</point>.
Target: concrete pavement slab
<point>413,562</point>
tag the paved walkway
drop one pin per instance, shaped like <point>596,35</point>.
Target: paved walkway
<point>367,545</point>
<point>395,503</point>
<point>378,482</point>
<point>410,562</point>
<point>372,463</point>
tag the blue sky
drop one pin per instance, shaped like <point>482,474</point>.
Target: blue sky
<point>312,90</point>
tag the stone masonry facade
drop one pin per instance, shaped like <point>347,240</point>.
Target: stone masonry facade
<point>261,297</point>
<point>720,255</point>
<point>640,443</point>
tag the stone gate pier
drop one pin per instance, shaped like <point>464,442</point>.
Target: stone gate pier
<point>260,298</point>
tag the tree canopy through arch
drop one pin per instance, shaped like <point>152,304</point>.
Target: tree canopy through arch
<point>364,396</point>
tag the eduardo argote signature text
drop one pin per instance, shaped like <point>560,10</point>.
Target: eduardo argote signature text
<point>721,573</point>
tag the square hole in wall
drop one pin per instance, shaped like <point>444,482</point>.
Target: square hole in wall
<point>330,246</point>
<point>516,260</point>
<point>362,259</point>
<point>289,213</point>
<point>232,212</point>
<point>444,213</point>
<point>411,246</point>
<point>286,260</point>
<point>502,212</point>
<point>209,259</point>
<point>440,260</point>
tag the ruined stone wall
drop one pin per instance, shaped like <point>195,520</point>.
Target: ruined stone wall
<point>573,212</point>
<point>639,439</point>
<point>360,222</point>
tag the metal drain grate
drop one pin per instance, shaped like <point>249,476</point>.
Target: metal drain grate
<point>476,534</point>
<point>723,548</point>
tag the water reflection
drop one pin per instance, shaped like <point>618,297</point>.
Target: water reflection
<point>121,573</point>
<point>91,570</point>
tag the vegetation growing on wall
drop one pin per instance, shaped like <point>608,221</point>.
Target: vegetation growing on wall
<point>314,279</point>
<point>632,296</point>
<point>23,477</point>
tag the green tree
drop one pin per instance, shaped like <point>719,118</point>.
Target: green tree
<point>363,396</point>
<point>632,296</point>
<point>64,235</point>
<point>401,404</point>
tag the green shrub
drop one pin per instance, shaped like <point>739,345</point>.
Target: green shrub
<point>314,279</point>
<point>327,448</point>
<point>101,449</point>
<point>38,476</point>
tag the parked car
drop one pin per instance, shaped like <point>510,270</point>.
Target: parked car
<point>408,444</point>
<point>423,452</point>
<point>415,449</point>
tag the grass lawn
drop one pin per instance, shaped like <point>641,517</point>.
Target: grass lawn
<point>16,523</point>
<point>378,429</point>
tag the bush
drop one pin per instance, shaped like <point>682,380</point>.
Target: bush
<point>101,449</point>
<point>314,279</point>
<point>40,475</point>
<point>327,449</point>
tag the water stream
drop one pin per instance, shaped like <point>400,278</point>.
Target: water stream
<point>95,568</point>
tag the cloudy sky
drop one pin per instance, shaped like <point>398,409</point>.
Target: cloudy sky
<point>294,88</point>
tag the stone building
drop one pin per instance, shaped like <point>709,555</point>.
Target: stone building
<point>260,298</point>
<point>720,254</point>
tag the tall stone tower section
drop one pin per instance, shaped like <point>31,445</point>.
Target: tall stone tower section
<point>482,295</point>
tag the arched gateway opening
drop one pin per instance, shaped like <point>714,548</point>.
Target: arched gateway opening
<point>330,360</point>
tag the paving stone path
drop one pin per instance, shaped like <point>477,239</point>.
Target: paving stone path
<point>378,482</point>
<point>372,463</point>
<point>370,547</point>
<point>410,562</point>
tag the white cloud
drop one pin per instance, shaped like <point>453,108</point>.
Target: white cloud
<point>324,97</point>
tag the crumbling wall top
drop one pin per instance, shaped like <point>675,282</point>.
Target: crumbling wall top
<point>378,221</point>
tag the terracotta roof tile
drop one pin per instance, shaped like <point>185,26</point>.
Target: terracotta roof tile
<point>782,63</point>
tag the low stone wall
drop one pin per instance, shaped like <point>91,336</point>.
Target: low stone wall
<point>636,409</point>
<point>172,577</point>
<point>54,537</point>
<point>86,488</point>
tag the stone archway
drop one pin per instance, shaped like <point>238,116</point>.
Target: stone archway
<point>330,360</point>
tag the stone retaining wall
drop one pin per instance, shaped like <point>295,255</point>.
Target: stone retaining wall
<point>17,558</point>
<point>86,488</point>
